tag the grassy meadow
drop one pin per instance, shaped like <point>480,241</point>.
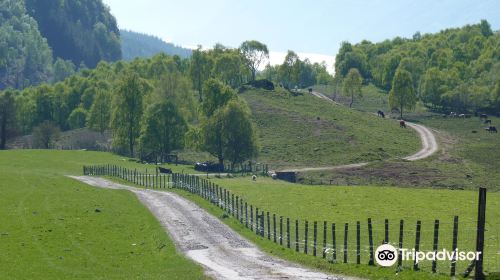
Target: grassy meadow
<point>303,130</point>
<point>54,227</point>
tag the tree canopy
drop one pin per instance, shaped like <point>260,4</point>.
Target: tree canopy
<point>456,68</point>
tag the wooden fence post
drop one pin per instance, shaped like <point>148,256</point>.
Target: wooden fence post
<point>370,242</point>
<point>386,236</point>
<point>324,239</point>
<point>435,244</point>
<point>274,228</point>
<point>257,220</point>
<point>358,242</point>
<point>315,237</point>
<point>288,233</point>
<point>262,228</point>
<point>246,215</point>
<point>251,217</point>
<point>346,232</point>
<point>481,220</point>
<point>400,257</point>
<point>417,244</point>
<point>268,227</point>
<point>281,230</point>
<point>237,208</point>
<point>454,246</point>
<point>334,244</point>
<point>306,230</point>
<point>296,235</point>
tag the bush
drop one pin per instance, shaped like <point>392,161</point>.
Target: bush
<point>263,84</point>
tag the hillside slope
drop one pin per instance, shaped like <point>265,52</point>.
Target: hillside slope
<point>138,45</point>
<point>305,131</point>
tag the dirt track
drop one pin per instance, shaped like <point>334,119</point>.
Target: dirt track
<point>202,237</point>
<point>429,145</point>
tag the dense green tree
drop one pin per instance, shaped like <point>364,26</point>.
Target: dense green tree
<point>402,96</point>
<point>163,130</point>
<point>229,134</point>
<point>238,133</point>
<point>255,53</point>
<point>288,72</point>
<point>7,116</point>
<point>199,70</point>
<point>352,84</point>
<point>127,110</point>
<point>228,67</point>
<point>433,86</point>
<point>100,112</point>
<point>63,69</point>
<point>217,95</point>
<point>77,118</point>
<point>176,88</point>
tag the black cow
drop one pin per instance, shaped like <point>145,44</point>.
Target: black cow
<point>381,114</point>
<point>165,170</point>
<point>491,129</point>
<point>402,123</point>
<point>487,122</point>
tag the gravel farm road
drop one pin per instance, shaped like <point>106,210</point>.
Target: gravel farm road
<point>208,241</point>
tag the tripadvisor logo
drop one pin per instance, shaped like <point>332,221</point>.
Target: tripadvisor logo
<point>387,255</point>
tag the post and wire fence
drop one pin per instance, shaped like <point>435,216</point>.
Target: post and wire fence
<point>354,242</point>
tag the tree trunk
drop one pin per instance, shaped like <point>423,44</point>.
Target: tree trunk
<point>352,100</point>
<point>253,74</point>
<point>131,141</point>
<point>401,111</point>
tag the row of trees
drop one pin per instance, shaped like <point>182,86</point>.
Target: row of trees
<point>294,72</point>
<point>456,69</point>
<point>149,105</point>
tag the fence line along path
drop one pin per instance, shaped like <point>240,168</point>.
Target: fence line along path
<point>205,239</point>
<point>346,243</point>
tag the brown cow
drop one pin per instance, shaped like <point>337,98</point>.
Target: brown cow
<point>402,123</point>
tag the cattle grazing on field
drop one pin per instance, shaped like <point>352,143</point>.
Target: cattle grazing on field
<point>491,129</point>
<point>254,177</point>
<point>165,170</point>
<point>402,124</point>
<point>381,114</point>
<point>487,122</point>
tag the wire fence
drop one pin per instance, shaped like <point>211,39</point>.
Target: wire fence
<point>354,242</point>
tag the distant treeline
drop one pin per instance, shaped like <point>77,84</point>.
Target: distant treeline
<point>294,72</point>
<point>455,69</point>
<point>139,45</point>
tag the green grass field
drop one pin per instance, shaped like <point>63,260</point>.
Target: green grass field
<point>50,228</point>
<point>351,204</point>
<point>291,134</point>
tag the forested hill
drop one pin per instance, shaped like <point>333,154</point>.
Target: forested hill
<point>45,41</point>
<point>139,45</point>
<point>455,69</point>
<point>78,30</point>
